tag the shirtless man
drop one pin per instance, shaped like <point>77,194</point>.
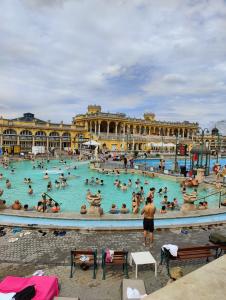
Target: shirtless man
<point>148,224</point>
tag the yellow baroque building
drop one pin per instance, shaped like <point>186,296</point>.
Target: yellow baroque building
<point>114,131</point>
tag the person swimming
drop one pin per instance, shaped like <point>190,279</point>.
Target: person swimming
<point>30,190</point>
<point>124,187</point>
<point>55,208</point>
<point>46,176</point>
<point>165,190</point>
<point>49,186</point>
<point>8,184</point>
<point>57,184</point>
<point>160,192</point>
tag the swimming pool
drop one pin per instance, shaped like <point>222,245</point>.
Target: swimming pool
<point>169,163</point>
<point>72,197</point>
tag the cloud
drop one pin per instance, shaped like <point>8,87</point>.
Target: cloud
<point>58,56</point>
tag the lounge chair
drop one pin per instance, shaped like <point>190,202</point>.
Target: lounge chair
<point>86,257</point>
<point>118,258</point>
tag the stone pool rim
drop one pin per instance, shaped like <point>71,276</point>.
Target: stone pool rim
<point>107,217</point>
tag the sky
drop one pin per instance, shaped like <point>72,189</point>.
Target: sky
<point>131,56</point>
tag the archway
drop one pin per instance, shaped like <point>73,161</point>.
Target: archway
<point>112,127</point>
<point>103,126</point>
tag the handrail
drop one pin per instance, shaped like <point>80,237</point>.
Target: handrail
<point>218,192</point>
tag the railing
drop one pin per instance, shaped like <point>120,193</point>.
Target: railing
<point>111,165</point>
<point>220,193</point>
<point>26,138</point>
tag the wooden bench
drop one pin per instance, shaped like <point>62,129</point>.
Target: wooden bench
<point>91,259</point>
<point>119,258</point>
<point>189,253</point>
<point>220,249</point>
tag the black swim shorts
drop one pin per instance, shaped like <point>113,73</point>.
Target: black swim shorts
<point>148,225</point>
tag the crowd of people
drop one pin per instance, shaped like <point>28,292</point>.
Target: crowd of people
<point>138,194</point>
<point>46,203</point>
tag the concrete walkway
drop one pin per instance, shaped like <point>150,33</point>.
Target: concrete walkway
<point>52,254</point>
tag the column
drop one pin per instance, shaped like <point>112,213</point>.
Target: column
<point>95,130</point>
<point>108,123</point>
<point>183,133</point>
<point>60,144</point>
<point>124,129</point>
<point>47,143</point>
<point>167,131</point>
<point>33,141</point>
<point>1,140</point>
<point>18,140</point>
<point>116,128</point>
<point>99,122</point>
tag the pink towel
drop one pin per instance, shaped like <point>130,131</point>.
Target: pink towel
<point>109,255</point>
<point>46,287</point>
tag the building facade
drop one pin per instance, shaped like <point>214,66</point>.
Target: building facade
<point>113,131</point>
<point>116,131</point>
<point>29,131</point>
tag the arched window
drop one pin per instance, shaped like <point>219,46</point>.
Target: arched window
<point>66,134</point>
<point>112,127</point>
<point>40,133</point>
<point>103,126</point>
<point>54,134</point>
<point>9,132</point>
<point>26,133</point>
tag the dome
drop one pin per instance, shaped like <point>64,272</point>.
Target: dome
<point>215,131</point>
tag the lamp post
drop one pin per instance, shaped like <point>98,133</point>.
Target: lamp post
<point>175,161</point>
<point>202,142</point>
<point>161,132</point>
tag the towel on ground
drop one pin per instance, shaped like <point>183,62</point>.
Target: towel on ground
<point>171,248</point>
<point>133,293</point>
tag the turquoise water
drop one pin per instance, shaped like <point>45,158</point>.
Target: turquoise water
<point>169,163</point>
<point>111,223</point>
<point>74,195</point>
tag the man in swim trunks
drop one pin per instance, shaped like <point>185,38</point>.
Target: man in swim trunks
<point>148,224</point>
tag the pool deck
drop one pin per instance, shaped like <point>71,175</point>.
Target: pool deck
<point>50,253</point>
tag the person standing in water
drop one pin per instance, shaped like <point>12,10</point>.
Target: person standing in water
<point>148,223</point>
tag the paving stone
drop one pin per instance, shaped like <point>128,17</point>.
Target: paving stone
<point>52,254</point>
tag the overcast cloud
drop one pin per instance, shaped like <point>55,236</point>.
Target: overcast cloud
<point>164,56</point>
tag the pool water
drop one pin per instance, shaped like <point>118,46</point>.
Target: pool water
<point>74,195</point>
<point>169,163</point>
